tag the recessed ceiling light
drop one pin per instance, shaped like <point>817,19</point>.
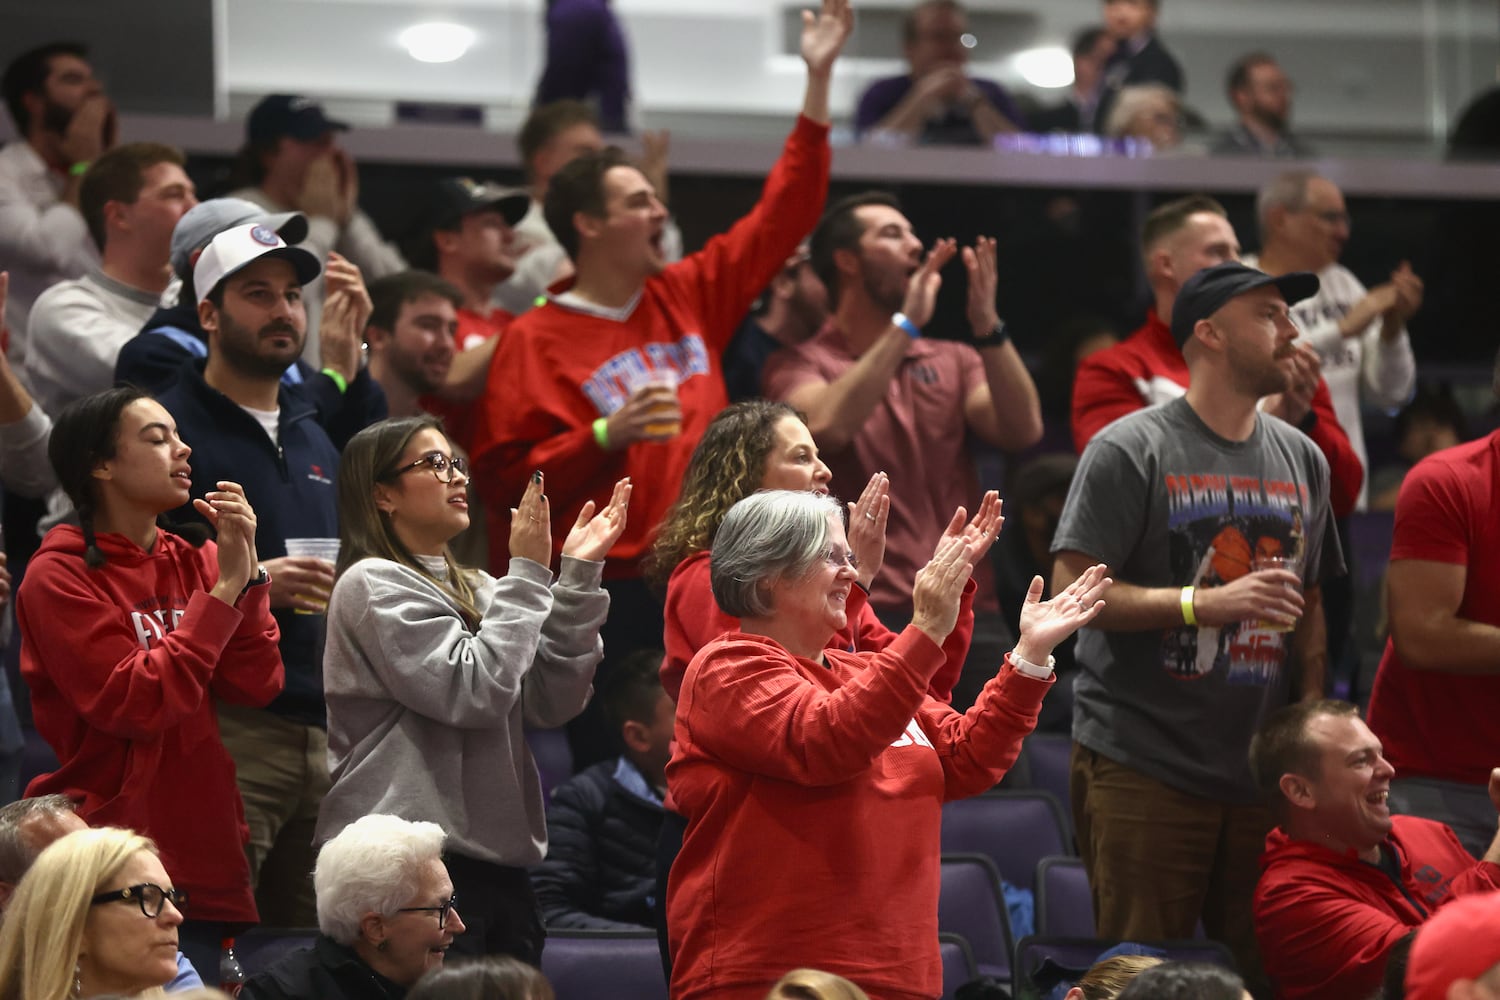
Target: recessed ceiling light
<point>437,41</point>
<point>967,40</point>
<point>1050,66</point>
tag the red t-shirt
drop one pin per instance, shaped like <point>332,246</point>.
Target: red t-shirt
<point>1434,724</point>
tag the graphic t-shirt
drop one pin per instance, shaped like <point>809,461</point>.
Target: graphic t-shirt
<point>1165,502</point>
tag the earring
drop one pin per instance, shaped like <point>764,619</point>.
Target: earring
<point>77,979</point>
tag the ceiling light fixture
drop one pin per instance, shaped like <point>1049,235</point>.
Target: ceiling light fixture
<point>1050,66</point>
<point>437,41</point>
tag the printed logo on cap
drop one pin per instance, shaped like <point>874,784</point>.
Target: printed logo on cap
<point>265,236</point>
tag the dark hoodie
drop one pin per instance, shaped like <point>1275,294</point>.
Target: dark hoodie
<point>121,662</point>
<point>1326,919</point>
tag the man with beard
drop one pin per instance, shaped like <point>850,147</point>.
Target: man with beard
<point>65,122</point>
<point>1187,503</point>
<point>412,337</point>
<point>247,425</point>
<point>1261,95</point>
<point>880,396</point>
<point>792,309</point>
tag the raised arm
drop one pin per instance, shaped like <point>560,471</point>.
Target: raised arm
<point>1005,410</point>
<point>823,38</point>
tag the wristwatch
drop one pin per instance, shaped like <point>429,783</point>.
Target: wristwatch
<point>256,580</point>
<point>995,338</point>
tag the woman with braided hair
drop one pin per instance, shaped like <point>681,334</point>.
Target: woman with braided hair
<point>129,634</point>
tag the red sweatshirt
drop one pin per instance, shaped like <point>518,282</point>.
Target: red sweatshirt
<point>558,368</point>
<point>813,796</point>
<point>1326,919</point>
<point>124,663</point>
<point>694,618</point>
<point>1148,368</point>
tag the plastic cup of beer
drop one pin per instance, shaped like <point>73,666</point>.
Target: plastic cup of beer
<point>1277,562</point>
<point>326,549</point>
<point>663,383</point>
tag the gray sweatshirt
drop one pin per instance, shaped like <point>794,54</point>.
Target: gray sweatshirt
<point>425,716</point>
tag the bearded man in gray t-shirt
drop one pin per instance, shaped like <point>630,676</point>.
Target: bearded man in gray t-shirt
<point>1191,504</point>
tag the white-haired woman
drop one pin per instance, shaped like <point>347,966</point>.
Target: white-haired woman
<point>96,916</point>
<point>813,779</point>
<point>386,916</point>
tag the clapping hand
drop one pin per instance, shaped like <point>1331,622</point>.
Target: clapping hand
<point>1044,624</point>
<point>593,535</point>
<point>233,521</point>
<point>980,532</point>
<point>867,520</point>
<point>824,35</point>
<point>938,587</point>
<point>531,525</point>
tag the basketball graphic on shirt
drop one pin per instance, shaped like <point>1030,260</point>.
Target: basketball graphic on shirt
<point>1231,558</point>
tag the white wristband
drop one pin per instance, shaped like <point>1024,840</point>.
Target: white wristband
<point>1030,669</point>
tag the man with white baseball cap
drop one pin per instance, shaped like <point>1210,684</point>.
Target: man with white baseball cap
<point>345,398</point>
<point>246,424</point>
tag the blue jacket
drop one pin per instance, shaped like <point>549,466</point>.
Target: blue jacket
<point>291,487</point>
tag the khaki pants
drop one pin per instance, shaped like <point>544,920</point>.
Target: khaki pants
<point>1159,860</point>
<point>282,771</point>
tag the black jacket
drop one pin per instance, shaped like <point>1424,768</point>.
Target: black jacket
<point>1152,64</point>
<point>326,971</point>
<point>600,869</point>
<point>152,359</point>
<point>291,487</point>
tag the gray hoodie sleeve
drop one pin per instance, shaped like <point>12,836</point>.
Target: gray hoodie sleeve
<point>560,683</point>
<point>423,653</point>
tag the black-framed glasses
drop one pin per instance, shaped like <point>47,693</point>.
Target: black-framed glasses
<point>438,464</point>
<point>148,895</point>
<point>441,911</point>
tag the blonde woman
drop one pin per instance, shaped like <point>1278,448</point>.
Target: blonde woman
<point>811,984</point>
<point>96,915</point>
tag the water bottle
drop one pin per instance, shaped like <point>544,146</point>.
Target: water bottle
<point>231,974</point>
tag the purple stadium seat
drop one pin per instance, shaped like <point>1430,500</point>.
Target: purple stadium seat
<point>971,904</point>
<point>588,965</point>
<point>958,963</point>
<point>1064,905</point>
<point>1015,830</point>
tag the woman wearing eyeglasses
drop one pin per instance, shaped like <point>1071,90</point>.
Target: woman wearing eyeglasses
<point>130,633</point>
<point>432,670</point>
<point>813,778</point>
<point>96,915</point>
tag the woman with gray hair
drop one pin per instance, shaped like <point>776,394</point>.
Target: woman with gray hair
<point>813,779</point>
<point>385,912</point>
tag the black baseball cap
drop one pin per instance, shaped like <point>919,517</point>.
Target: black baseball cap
<point>456,197</point>
<point>290,115</point>
<point>1204,293</point>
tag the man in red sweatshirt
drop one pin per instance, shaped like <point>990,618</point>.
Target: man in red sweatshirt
<point>1343,879</point>
<point>568,391</point>
<point>1179,239</point>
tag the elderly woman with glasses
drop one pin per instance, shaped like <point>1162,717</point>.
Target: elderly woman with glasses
<point>95,916</point>
<point>387,914</point>
<point>432,670</point>
<point>813,778</point>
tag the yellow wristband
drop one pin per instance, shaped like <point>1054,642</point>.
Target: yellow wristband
<point>601,433</point>
<point>1188,617</point>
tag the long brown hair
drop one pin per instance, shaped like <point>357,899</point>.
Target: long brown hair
<point>365,530</point>
<point>728,465</point>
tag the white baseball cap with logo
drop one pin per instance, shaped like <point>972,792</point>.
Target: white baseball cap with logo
<point>237,248</point>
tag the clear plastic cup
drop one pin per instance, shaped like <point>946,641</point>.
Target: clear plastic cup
<point>1277,562</point>
<point>326,549</point>
<point>665,381</point>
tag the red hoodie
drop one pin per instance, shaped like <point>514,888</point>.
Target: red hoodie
<point>1326,919</point>
<point>122,662</point>
<point>1148,368</point>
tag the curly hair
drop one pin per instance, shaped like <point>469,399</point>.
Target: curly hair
<point>727,466</point>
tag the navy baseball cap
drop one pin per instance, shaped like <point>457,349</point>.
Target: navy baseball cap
<point>290,115</point>
<point>1205,293</point>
